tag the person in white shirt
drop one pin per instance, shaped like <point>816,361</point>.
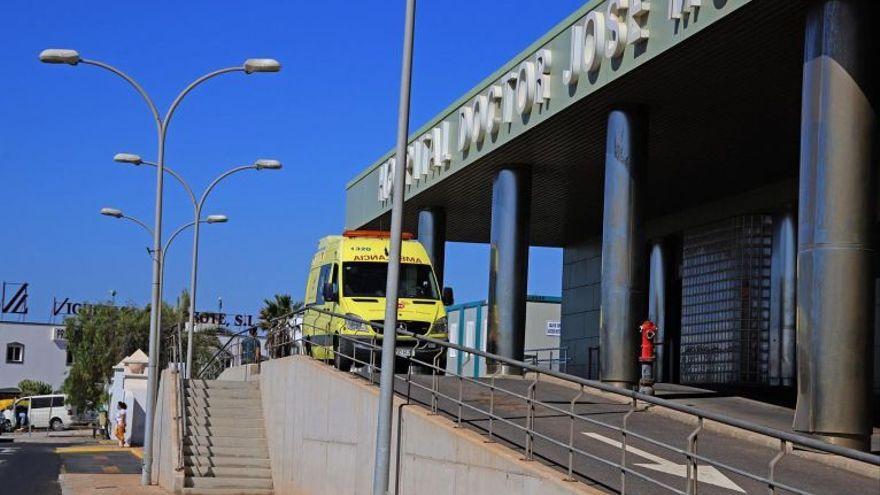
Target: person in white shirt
<point>120,423</point>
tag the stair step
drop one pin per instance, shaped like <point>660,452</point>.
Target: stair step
<point>225,421</point>
<point>227,491</point>
<point>233,403</point>
<point>226,461</point>
<point>230,430</point>
<point>224,412</point>
<point>224,441</point>
<point>215,384</point>
<point>249,472</point>
<point>238,483</point>
<point>226,451</point>
<point>224,393</point>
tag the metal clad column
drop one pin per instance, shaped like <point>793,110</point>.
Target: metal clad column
<point>783,310</point>
<point>508,265</point>
<point>657,305</point>
<point>835,284</point>
<point>432,235</point>
<point>623,258</point>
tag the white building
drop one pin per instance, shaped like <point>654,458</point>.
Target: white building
<point>129,385</point>
<point>35,351</point>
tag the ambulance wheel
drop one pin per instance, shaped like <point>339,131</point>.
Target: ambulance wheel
<point>341,350</point>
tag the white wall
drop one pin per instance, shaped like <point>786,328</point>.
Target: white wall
<point>321,433</point>
<point>44,359</point>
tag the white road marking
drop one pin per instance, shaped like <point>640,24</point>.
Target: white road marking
<point>706,474</point>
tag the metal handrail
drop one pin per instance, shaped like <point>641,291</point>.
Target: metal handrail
<point>183,419</point>
<point>786,439</point>
<point>222,349</point>
<point>632,394</point>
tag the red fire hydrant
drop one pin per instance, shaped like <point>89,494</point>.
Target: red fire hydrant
<point>649,331</point>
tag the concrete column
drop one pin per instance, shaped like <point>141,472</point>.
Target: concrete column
<point>623,259</point>
<point>432,235</point>
<point>508,265</point>
<point>836,211</point>
<point>657,304</point>
<point>783,301</point>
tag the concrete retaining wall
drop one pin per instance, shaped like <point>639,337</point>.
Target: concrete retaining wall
<point>321,431</point>
<point>165,436</point>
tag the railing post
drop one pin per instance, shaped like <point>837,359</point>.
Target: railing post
<point>373,359</point>
<point>460,396</point>
<point>491,408</point>
<point>692,478</point>
<point>571,434</point>
<point>623,441</point>
<point>771,479</point>
<point>435,384</point>
<point>530,418</point>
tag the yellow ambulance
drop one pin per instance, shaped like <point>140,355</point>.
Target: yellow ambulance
<point>348,277</point>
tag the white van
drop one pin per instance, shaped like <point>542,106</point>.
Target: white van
<point>44,411</point>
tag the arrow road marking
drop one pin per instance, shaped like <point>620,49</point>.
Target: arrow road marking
<point>707,474</point>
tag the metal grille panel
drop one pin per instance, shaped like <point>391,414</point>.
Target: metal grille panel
<point>726,301</point>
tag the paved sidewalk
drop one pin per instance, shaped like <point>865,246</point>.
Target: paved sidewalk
<point>102,469</point>
<point>106,484</point>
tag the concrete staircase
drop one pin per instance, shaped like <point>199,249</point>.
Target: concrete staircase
<point>225,451</point>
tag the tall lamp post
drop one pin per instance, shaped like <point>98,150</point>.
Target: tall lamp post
<point>381,470</point>
<point>72,57</point>
<point>262,164</point>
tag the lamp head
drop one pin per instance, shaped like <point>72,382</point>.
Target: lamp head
<point>111,212</point>
<point>252,65</point>
<point>59,56</point>
<point>127,158</point>
<point>267,164</point>
<point>217,219</point>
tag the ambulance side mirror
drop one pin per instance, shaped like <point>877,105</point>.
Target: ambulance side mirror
<point>448,297</point>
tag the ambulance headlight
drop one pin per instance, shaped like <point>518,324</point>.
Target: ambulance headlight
<point>354,323</point>
<point>440,325</point>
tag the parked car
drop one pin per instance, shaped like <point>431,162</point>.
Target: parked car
<point>43,411</point>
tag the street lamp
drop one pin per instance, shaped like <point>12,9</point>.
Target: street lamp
<point>116,213</point>
<point>261,164</point>
<point>250,66</point>
<point>382,466</point>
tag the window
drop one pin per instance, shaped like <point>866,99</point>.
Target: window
<point>324,277</point>
<point>58,401</point>
<point>15,353</point>
<point>41,402</point>
<point>368,279</point>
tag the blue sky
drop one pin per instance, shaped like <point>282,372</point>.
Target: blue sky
<point>326,116</point>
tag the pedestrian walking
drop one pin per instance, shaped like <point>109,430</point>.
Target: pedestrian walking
<point>120,423</point>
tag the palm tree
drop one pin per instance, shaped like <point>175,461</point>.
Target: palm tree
<point>271,315</point>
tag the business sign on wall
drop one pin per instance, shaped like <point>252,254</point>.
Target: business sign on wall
<point>14,301</point>
<point>599,43</point>
<point>601,37</point>
<point>14,298</point>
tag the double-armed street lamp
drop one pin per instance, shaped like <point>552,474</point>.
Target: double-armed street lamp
<point>261,164</point>
<point>250,66</point>
<point>117,213</point>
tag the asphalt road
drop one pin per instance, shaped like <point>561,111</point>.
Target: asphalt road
<point>654,469</point>
<point>29,468</point>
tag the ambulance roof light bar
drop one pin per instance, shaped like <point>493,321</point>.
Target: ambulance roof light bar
<point>380,234</point>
